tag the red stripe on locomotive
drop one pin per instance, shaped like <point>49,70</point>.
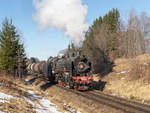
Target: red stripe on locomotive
<point>82,79</point>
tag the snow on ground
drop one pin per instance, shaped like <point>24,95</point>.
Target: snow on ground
<point>45,105</point>
<point>29,101</point>
<point>70,109</point>
<point>2,112</point>
<point>4,97</point>
<point>33,95</point>
<point>123,72</point>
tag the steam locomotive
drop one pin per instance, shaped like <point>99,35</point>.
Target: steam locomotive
<point>70,70</point>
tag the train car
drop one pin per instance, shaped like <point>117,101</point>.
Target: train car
<point>68,70</point>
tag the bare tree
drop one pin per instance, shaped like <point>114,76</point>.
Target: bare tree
<point>134,39</point>
<point>145,28</point>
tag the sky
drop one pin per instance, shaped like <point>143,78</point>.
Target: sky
<point>50,41</point>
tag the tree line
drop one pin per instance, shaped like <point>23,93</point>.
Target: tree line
<point>12,53</point>
<point>109,38</point>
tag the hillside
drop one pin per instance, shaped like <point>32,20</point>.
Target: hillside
<point>18,97</point>
<point>130,78</point>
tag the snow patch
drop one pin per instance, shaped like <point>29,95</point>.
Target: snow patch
<point>146,64</point>
<point>4,97</point>
<point>33,95</point>
<point>143,101</point>
<point>123,97</point>
<point>28,100</point>
<point>123,72</point>
<point>46,107</point>
<point>26,80</point>
<point>31,92</point>
<point>123,78</point>
<point>2,112</point>
<point>70,109</point>
<point>114,94</point>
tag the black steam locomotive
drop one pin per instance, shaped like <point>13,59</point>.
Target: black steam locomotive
<point>68,70</point>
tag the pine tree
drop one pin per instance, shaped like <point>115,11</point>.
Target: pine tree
<point>21,68</point>
<point>11,49</point>
<point>101,42</point>
<point>111,20</point>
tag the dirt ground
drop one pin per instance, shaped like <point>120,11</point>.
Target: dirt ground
<point>24,101</point>
<point>72,102</point>
<point>130,78</point>
<point>26,98</point>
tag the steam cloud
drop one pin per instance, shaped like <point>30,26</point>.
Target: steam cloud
<point>66,15</point>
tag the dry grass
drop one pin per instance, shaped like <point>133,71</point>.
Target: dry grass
<point>122,64</point>
<point>135,83</point>
<point>130,89</point>
<point>140,71</point>
<point>17,89</point>
<point>17,106</point>
<point>143,59</point>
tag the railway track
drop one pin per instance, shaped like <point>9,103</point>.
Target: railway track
<point>113,102</point>
<point>127,102</point>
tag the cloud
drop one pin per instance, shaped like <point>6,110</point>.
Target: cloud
<point>66,15</point>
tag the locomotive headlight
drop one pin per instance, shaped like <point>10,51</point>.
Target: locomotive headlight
<point>81,66</point>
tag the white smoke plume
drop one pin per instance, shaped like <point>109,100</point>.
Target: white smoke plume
<point>66,15</point>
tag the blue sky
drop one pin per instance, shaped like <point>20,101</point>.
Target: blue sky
<point>48,42</point>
